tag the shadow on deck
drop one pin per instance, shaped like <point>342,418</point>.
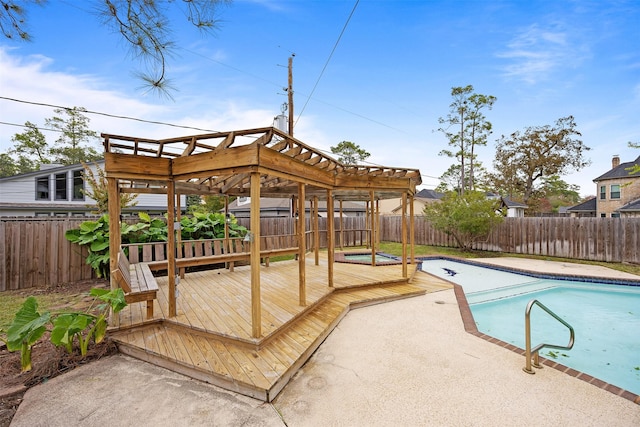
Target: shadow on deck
<point>210,338</point>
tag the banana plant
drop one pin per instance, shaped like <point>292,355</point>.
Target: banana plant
<point>84,326</point>
<point>25,330</point>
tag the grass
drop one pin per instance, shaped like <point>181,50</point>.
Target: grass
<point>52,300</point>
<point>396,249</point>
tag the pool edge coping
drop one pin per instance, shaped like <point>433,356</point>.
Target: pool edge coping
<point>470,327</point>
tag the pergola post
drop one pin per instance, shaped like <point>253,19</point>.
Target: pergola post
<point>330,237</point>
<point>179,252</point>
<point>341,228</point>
<point>115,239</point>
<point>302,284</point>
<point>316,230</point>
<point>367,226</point>
<point>372,234</point>
<point>404,235</point>
<point>256,315</point>
<point>171,247</point>
<point>412,223</point>
<point>378,233</point>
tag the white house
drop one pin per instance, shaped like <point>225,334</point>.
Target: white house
<point>56,190</point>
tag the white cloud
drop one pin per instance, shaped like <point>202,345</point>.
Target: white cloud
<point>33,81</point>
<point>536,53</point>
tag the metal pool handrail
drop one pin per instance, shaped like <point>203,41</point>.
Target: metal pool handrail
<point>527,336</point>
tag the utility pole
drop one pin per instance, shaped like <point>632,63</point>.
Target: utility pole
<point>290,93</point>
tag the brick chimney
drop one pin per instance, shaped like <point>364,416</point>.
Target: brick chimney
<point>615,162</point>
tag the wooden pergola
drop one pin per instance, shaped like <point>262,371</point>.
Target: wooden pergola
<point>262,162</point>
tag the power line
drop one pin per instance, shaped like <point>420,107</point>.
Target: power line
<point>309,97</point>
<point>335,46</point>
<point>115,116</point>
<point>34,127</point>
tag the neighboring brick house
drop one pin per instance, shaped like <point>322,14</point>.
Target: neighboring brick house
<point>618,191</point>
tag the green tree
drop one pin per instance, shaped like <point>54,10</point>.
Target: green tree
<point>559,192</point>
<point>350,153</point>
<point>466,127</point>
<point>97,190</point>
<point>71,146</point>
<point>523,159</point>
<point>467,217</point>
<point>8,166</point>
<point>451,179</point>
<point>142,24</point>
<point>30,149</point>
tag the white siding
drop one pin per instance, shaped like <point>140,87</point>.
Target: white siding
<point>19,195</point>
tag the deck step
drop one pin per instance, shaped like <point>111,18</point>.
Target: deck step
<point>261,371</point>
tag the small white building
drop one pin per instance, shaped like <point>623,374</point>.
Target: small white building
<point>56,190</point>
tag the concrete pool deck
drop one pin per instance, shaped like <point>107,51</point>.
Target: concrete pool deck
<point>555,267</point>
<point>407,362</point>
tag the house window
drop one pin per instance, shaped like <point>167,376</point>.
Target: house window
<point>615,191</point>
<point>603,192</point>
<point>42,188</point>
<point>61,186</point>
<point>603,215</point>
<point>78,185</point>
<point>615,215</point>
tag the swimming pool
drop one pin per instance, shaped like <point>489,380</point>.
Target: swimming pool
<point>365,258</point>
<point>606,317</point>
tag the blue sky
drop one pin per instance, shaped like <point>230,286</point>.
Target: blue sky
<point>387,83</point>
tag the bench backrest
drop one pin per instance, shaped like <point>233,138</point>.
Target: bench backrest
<point>122,274</point>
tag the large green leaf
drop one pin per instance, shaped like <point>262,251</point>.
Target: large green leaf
<point>67,325</point>
<point>99,246</point>
<point>89,226</point>
<point>72,235</point>
<point>114,297</point>
<point>27,326</point>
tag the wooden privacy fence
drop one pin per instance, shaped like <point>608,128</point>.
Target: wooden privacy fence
<point>595,239</point>
<point>34,251</point>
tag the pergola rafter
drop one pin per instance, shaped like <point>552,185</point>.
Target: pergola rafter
<point>261,162</point>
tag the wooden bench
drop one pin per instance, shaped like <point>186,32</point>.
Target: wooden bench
<point>196,253</point>
<point>137,282</point>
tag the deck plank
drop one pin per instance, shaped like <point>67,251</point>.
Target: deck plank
<point>211,334</point>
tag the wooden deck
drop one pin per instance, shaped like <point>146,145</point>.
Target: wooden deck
<point>210,338</point>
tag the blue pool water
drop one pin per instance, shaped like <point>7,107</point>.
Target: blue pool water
<point>367,257</point>
<point>606,317</point>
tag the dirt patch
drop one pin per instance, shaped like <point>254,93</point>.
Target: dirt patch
<point>48,361</point>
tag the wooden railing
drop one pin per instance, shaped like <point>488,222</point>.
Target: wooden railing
<point>192,253</point>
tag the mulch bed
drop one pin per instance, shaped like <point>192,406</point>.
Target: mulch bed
<point>47,361</point>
